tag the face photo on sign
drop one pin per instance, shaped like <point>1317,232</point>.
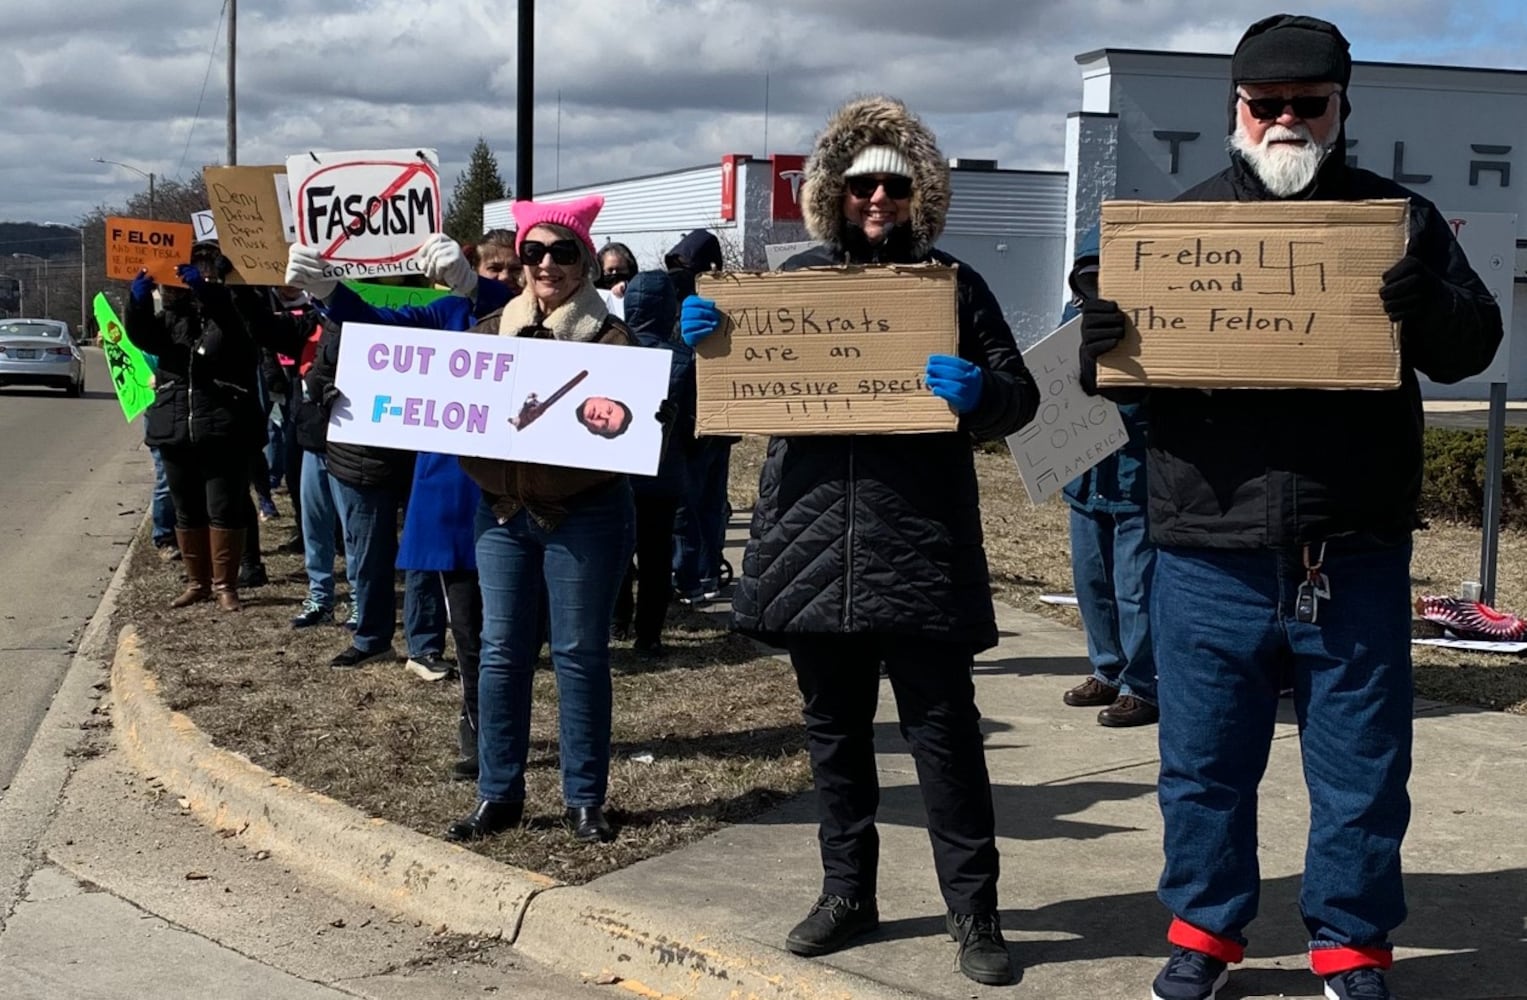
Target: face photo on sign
<point>604,417</point>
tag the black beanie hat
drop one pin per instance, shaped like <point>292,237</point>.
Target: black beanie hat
<point>1290,48</point>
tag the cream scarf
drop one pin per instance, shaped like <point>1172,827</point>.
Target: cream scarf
<point>579,318</point>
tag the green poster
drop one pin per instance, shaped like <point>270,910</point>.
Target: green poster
<point>394,296</point>
<point>130,373</point>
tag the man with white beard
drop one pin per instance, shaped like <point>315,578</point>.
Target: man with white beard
<point>1282,520</point>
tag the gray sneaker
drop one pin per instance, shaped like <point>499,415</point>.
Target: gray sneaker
<point>430,667</point>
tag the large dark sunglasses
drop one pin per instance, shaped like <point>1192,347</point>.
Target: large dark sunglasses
<point>895,185</point>
<point>562,252</point>
<point>1267,109</point>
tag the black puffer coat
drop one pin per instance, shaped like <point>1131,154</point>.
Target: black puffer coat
<point>358,465</point>
<point>204,387</point>
<point>882,534</point>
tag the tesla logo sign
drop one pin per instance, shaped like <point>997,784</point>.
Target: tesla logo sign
<point>789,173</point>
<point>729,185</point>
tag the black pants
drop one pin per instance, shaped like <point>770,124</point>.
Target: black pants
<point>653,572</point>
<point>209,484</point>
<point>839,677</point>
<point>463,608</point>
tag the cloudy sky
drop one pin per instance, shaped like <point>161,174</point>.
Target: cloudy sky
<point>646,85</point>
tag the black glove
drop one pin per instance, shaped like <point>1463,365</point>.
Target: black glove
<point>1410,289</point>
<point>666,411</point>
<point>1102,327</point>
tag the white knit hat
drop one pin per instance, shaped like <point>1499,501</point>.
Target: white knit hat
<point>879,160</point>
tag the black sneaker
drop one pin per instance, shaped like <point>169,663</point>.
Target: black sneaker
<point>430,667</point>
<point>831,924</point>
<point>356,657</point>
<point>983,953</point>
<point>252,575</point>
<point>1359,984</point>
<point>1189,975</point>
<point>312,613</point>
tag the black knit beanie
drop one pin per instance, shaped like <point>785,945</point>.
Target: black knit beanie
<point>1289,48</point>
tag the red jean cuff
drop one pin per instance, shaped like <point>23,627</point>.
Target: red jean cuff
<point>1185,935</point>
<point>1328,962</point>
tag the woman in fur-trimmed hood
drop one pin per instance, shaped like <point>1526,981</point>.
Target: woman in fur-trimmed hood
<point>866,550</point>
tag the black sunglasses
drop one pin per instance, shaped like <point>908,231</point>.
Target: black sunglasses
<point>1267,109</point>
<point>896,186</point>
<point>562,252</point>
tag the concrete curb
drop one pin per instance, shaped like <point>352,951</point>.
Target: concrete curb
<point>651,952</point>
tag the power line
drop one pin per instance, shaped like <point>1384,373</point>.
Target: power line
<point>217,36</point>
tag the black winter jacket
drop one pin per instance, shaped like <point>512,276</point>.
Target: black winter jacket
<point>1255,468</point>
<point>882,534</point>
<point>288,332</point>
<point>357,465</point>
<point>204,386</point>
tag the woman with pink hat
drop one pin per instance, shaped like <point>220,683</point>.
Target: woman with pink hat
<point>574,529</point>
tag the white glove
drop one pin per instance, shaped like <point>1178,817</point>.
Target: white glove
<point>445,264</point>
<point>304,270</point>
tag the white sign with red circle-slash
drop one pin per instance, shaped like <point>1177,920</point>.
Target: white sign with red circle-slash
<point>367,211</point>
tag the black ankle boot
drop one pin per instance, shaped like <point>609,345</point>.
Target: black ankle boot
<point>488,819</point>
<point>589,824</point>
<point>831,924</point>
<point>465,769</point>
<point>983,953</point>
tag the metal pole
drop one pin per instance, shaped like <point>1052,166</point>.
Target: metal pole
<point>1495,460</point>
<point>233,106</point>
<point>46,308</point>
<point>84,316</point>
<point>524,160</point>
<point>151,195</point>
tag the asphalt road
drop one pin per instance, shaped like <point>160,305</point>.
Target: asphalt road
<point>74,482</point>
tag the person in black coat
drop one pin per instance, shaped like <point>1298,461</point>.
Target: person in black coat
<point>205,418</point>
<point>866,552</point>
<point>1282,520</point>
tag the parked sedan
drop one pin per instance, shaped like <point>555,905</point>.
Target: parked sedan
<point>40,352</point>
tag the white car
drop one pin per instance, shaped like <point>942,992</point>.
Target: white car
<point>40,352</point>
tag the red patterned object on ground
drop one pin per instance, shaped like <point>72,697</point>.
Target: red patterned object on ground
<point>1470,619</point>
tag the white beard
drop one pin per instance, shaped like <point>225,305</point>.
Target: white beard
<point>1284,170</point>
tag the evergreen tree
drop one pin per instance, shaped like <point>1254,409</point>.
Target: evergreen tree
<point>479,183</point>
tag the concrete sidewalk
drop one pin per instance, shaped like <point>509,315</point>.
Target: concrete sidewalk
<point>1080,840</point>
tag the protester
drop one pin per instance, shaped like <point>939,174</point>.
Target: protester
<point>705,508</point>
<point>651,313</point>
<point>1283,522</point>
<point>1111,558</point>
<point>204,418</point>
<point>493,257</point>
<point>617,266</point>
<point>162,513</point>
<point>572,529</point>
<point>865,552</point>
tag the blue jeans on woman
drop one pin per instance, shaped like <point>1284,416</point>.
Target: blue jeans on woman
<point>162,508</point>
<point>1111,564</point>
<point>319,515</point>
<point>369,515</point>
<point>582,561</point>
<point>1225,625</point>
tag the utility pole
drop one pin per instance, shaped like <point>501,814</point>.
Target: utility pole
<point>524,139</point>
<point>232,156</point>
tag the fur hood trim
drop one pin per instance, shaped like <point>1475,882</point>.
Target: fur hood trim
<point>868,121</point>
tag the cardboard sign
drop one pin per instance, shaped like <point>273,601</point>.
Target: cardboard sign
<point>394,297</point>
<point>135,244</point>
<point>246,205</point>
<point>131,376</point>
<point>547,402</point>
<point>1072,431</point>
<point>826,351</point>
<point>369,211</point>
<point>1276,294</point>
<point>203,226</point>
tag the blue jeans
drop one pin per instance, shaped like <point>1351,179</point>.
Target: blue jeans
<point>275,442</point>
<point>1111,564</point>
<point>162,508</point>
<point>318,518</point>
<point>700,531</point>
<point>370,519</point>
<point>1225,634</point>
<point>582,562</point>
<point>424,617</point>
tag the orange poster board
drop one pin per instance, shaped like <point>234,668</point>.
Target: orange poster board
<point>133,244</point>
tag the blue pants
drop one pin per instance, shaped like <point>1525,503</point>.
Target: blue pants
<point>370,519</point>
<point>1225,633</point>
<point>1111,563</point>
<point>162,508</point>
<point>318,518</point>
<point>582,562</point>
<point>700,530</point>
<point>424,613</point>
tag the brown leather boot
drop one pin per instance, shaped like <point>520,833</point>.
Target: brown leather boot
<point>195,556</point>
<point>227,549</point>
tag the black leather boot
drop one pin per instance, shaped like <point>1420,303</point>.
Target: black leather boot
<point>589,824</point>
<point>465,769</point>
<point>487,820</point>
<point>832,923</point>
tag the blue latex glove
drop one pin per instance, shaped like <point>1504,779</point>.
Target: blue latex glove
<point>955,380</point>
<point>143,287</point>
<point>698,319</point>
<point>190,274</point>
